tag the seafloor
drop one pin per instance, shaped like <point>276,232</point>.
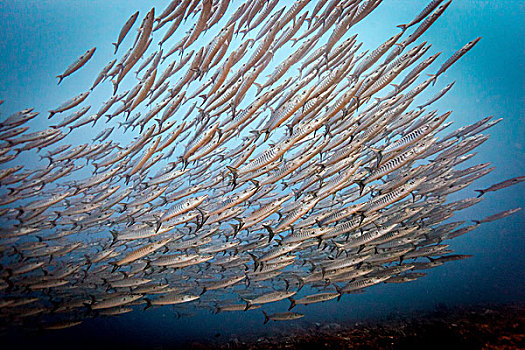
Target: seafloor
<point>473,327</point>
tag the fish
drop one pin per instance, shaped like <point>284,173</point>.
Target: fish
<point>282,316</point>
<point>125,29</point>
<point>73,67</point>
<point>75,101</point>
<point>168,299</point>
<point>456,56</point>
<point>497,216</point>
<point>501,185</point>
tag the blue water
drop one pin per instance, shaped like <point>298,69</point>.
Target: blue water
<point>40,38</point>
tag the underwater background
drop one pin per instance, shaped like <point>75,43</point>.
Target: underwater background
<point>39,39</point>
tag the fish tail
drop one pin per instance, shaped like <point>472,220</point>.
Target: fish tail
<point>255,183</point>
<point>403,27</point>
<point>51,114</point>
<point>266,318</point>
<point>477,222</point>
<point>148,303</point>
<point>255,261</point>
<point>323,271</point>
<point>235,173</point>
<point>88,260</point>
<point>164,200</point>
<point>481,193</point>
<point>115,267</point>
<point>270,231</point>
<point>338,289</point>
<point>266,135</point>
<point>60,77</point>
<point>309,20</point>
<point>204,289</point>
<point>114,234</point>
<point>434,78</point>
<point>248,304</point>
<point>240,221</point>
<point>361,186</point>
<point>116,47</point>
<point>259,88</point>
<point>115,86</point>
<point>300,282</point>
<point>204,216</point>
<point>292,303</point>
<point>235,229</point>
<point>379,155</point>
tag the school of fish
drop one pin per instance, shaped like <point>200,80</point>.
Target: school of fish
<point>245,178</point>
